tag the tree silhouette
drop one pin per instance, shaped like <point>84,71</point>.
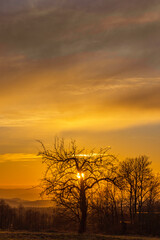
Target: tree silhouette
<point>136,178</point>
<point>72,176</point>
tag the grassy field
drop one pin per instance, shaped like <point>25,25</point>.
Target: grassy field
<point>64,236</point>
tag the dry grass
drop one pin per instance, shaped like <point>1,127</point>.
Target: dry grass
<point>64,236</point>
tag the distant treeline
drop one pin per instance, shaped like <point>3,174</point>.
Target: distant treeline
<point>24,218</point>
<point>104,218</point>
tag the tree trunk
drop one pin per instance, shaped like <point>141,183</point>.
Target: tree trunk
<point>83,208</point>
<point>130,206</point>
<point>83,221</point>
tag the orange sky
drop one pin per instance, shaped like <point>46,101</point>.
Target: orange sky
<point>86,70</point>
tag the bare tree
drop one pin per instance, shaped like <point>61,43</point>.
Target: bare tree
<point>125,180</point>
<point>105,207</point>
<point>136,176</point>
<point>72,174</point>
<point>154,193</point>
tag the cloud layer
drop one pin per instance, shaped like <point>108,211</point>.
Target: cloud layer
<point>76,66</point>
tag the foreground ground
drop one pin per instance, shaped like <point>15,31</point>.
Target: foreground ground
<point>64,236</point>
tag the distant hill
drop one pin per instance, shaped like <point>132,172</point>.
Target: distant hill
<point>30,194</point>
<point>28,197</point>
<point>16,202</point>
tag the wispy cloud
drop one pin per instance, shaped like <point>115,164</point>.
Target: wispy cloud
<point>18,157</point>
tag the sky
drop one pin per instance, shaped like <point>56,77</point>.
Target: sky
<point>80,69</point>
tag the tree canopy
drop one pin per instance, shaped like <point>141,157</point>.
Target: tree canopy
<point>72,175</point>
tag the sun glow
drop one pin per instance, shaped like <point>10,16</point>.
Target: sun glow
<point>80,175</point>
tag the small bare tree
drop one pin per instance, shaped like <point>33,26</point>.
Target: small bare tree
<point>153,193</point>
<point>135,177</point>
<point>72,175</point>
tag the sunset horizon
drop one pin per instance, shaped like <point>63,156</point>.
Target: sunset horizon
<point>83,70</point>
